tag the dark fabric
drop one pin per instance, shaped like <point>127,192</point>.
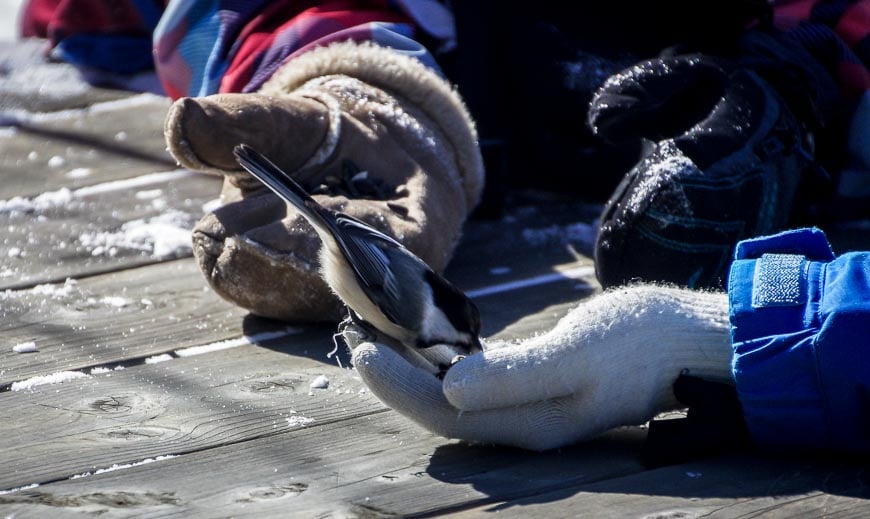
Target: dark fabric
<point>724,160</point>
<point>713,424</point>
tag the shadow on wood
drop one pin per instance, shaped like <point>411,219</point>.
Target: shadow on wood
<point>315,340</point>
<point>727,485</point>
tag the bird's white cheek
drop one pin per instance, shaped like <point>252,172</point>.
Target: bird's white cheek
<point>436,324</point>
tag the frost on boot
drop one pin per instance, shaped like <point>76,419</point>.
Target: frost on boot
<point>367,131</point>
<point>723,162</point>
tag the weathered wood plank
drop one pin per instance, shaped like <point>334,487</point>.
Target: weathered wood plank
<point>353,459</point>
<point>381,465</point>
<point>506,320</point>
<point>124,224</point>
<point>164,308</point>
<point>349,458</point>
<point>173,407</point>
<point>545,248</point>
<point>102,228</point>
<point>129,315</point>
<point>80,147</point>
<point>225,414</point>
<point>60,131</point>
<point>740,485</point>
<point>162,405</point>
<point>111,319</point>
<point>456,475</point>
<point>376,466</point>
<point>145,311</point>
<point>523,241</point>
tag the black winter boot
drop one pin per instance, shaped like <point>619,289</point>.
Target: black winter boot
<point>722,162</point>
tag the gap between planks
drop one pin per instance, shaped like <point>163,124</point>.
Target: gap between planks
<point>563,273</point>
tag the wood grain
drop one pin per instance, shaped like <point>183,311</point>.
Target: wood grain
<point>740,485</point>
<point>356,458</point>
<point>109,140</point>
<point>104,229</point>
<point>116,318</point>
<point>173,407</point>
<point>133,313</point>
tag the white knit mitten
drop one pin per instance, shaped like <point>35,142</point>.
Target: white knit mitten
<point>611,361</point>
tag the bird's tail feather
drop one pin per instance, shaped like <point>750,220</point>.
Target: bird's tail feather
<point>280,182</point>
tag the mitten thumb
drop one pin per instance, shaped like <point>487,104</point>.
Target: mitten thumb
<point>201,132</point>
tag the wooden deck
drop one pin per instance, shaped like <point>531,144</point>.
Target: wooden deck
<point>149,396</point>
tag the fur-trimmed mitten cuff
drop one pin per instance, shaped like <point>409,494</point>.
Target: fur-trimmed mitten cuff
<point>368,131</point>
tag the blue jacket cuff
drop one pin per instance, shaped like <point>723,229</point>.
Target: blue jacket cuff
<point>800,320</point>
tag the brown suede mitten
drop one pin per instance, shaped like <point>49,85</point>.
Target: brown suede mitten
<point>367,131</point>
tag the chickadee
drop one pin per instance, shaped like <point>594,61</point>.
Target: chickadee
<point>383,284</point>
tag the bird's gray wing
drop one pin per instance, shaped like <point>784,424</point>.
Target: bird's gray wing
<point>365,246</point>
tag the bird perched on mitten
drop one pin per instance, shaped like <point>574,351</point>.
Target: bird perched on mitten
<point>389,292</point>
<point>368,131</point>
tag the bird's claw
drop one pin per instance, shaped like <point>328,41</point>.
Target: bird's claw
<point>352,332</point>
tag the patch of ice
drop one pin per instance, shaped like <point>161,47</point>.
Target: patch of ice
<point>47,81</point>
<point>19,489</point>
<point>69,76</point>
<point>164,235</point>
<point>117,466</point>
<point>148,194</point>
<point>25,347</point>
<point>135,182</point>
<point>99,370</point>
<point>574,273</point>
<point>55,291</point>
<point>79,173</point>
<point>125,104</point>
<point>54,378</point>
<point>298,420</point>
<point>45,201</point>
<point>64,197</point>
<point>158,358</point>
<point>234,343</point>
<point>56,161</point>
<point>116,301</point>
<point>321,382</point>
